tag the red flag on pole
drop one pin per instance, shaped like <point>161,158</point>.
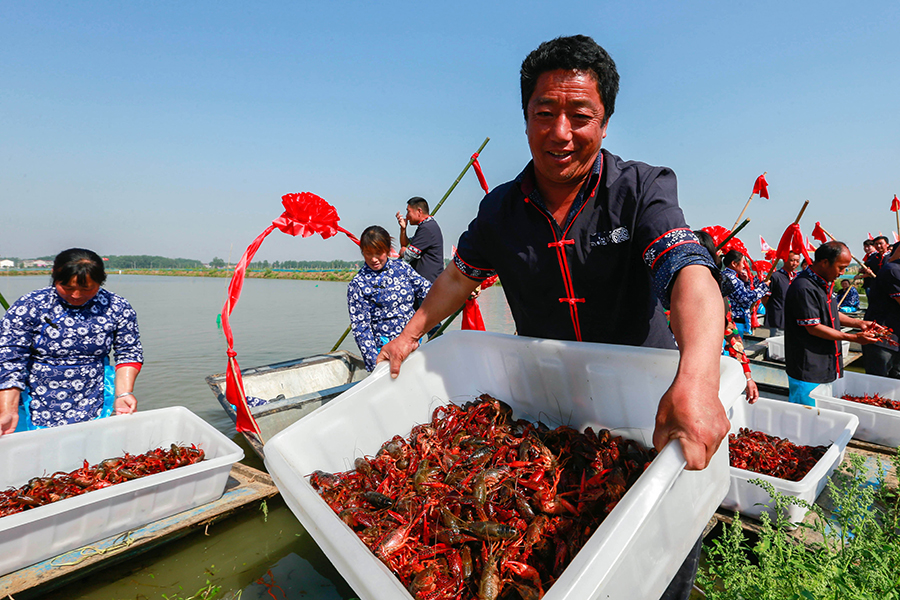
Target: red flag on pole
<point>478,173</point>
<point>471,316</point>
<point>818,233</point>
<point>304,214</point>
<point>895,204</point>
<point>791,241</point>
<point>761,187</point>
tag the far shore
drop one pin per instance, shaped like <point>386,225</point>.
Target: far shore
<point>345,275</point>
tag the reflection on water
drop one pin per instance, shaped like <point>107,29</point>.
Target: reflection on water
<point>274,320</point>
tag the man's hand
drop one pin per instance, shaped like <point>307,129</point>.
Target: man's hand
<point>9,410</point>
<point>691,412</point>
<point>125,405</point>
<point>401,219</point>
<point>396,351</point>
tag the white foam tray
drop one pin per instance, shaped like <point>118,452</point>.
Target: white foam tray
<point>804,425</point>
<point>640,545</point>
<point>46,531</point>
<point>877,425</point>
<point>776,348</point>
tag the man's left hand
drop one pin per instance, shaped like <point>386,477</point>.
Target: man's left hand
<point>691,412</point>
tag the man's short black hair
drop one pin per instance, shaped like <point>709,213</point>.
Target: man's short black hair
<point>574,53</point>
<point>830,251</point>
<point>418,202</point>
<point>881,237</point>
<point>868,243</point>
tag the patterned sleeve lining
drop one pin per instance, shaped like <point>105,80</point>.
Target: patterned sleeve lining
<point>412,252</point>
<point>670,260</point>
<point>470,271</point>
<point>808,322</point>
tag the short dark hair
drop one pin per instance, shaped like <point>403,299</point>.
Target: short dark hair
<point>574,53</point>
<point>375,239</point>
<point>80,264</point>
<point>709,243</point>
<point>418,202</point>
<point>868,242</point>
<point>732,257</point>
<point>881,237</point>
<point>830,251</point>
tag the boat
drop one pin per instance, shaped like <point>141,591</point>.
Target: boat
<point>246,488</point>
<point>287,391</point>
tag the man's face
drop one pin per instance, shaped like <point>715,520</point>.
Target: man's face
<point>414,216</point>
<point>793,262</point>
<point>881,246</point>
<point>565,126</point>
<point>867,248</point>
<point>832,272</point>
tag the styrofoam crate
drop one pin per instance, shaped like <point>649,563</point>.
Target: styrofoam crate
<point>776,348</point>
<point>50,530</point>
<point>804,425</point>
<point>577,384</point>
<point>877,425</point>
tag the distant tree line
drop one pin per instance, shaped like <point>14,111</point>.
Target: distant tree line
<point>306,264</point>
<point>151,262</point>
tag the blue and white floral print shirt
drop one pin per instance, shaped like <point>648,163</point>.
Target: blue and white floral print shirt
<point>381,304</point>
<point>56,351</point>
<point>742,296</point>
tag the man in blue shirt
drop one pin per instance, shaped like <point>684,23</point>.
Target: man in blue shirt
<point>591,247</point>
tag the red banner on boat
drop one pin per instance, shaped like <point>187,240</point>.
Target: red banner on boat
<point>304,214</point>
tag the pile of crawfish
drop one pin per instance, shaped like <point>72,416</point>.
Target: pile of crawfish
<point>475,503</point>
<point>770,455</point>
<point>44,490</point>
<point>874,400</point>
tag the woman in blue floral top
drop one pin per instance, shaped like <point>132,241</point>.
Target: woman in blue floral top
<point>54,349</point>
<point>380,297</point>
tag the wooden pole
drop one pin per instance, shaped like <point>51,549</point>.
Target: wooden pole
<point>4,302</point>
<point>897,214</point>
<point>859,262</point>
<point>845,295</point>
<point>741,216</point>
<point>732,234</point>
<point>436,208</point>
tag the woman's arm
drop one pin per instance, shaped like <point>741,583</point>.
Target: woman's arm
<point>9,410</point>
<point>361,324</point>
<point>125,402</point>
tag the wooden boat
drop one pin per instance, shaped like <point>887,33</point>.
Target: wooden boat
<point>246,488</point>
<point>291,389</point>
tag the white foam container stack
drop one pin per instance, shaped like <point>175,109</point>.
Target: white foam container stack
<point>776,348</point>
<point>635,551</point>
<point>804,425</point>
<point>877,425</point>
<point>46,531</point>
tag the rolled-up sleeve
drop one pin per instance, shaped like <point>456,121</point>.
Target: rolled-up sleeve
<point>127,339</point>
<point>17,330</point>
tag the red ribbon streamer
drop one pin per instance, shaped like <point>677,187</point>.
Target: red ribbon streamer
<point>304,214</point>
<point>479,173</point>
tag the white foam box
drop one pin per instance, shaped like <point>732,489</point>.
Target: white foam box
<point>804,425</point>
<point>776,348</point>
<point>638,548</point>
<point>877,425</point>
<point>46,531</point>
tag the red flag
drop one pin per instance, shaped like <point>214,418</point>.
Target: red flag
<point>896,237</point>
<point>818,233</point>
<point>895,204</point>
<point>809,246</point>
<point>761,186</point>
<point>870,237</point>
<point>791,241</point>
<point>719,233</point>
<point>481,180</point>
<point>762,266</point>
<point>763,246</point>
<point>471,316</point>
<point>304,214</point>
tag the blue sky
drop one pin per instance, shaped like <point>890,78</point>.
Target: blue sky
<point>173,128</point>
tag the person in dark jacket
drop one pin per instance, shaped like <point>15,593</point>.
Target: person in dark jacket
<point>579,222</point>
<point>778,287</point>
<point>424,251</point>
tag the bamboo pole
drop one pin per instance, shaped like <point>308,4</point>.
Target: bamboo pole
<point>775,263</point>
<point>841,301</point>
<point>436,208</point>
<point>741,216</point>
<point>4,302</point>
<point>446,323</point>
<point>732,234</point>
<point>825,231</point>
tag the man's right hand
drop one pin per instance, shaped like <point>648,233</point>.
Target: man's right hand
<point>396,352</point>
<point>401,219</point>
